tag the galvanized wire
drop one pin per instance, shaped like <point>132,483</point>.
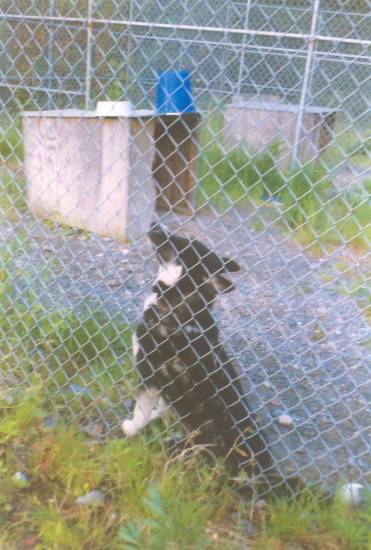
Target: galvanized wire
<point>273,171</point>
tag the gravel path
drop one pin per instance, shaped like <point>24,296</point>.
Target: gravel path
<point>294,325</point>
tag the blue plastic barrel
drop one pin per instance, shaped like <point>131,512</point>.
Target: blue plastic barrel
<point>174,92</point>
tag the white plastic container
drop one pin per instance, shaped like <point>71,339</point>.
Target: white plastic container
<point>115,108</point>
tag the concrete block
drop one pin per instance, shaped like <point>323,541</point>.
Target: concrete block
<point>91,172</point>
<point>258,124</point>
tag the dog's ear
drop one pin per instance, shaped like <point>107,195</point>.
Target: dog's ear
<point>230,265</point>
<point>223,284</point>
<point>166,244</point>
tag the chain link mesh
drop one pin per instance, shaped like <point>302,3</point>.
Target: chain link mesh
<point>273,170</point>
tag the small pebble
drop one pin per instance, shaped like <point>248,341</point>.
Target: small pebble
<point>21,478</point>
<point>276,402</point>
<point>93,498</point>
<point>285,420</point>
<point>112,282</point>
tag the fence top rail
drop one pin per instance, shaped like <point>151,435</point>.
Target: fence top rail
<point>191,28</point>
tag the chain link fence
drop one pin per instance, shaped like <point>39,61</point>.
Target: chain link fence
<point>271,170</point>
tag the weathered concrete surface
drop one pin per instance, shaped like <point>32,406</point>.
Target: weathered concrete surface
<point>258,124</point>
<point>91,173</point>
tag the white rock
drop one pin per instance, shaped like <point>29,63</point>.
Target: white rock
<point>93,498</point>
<point>285,420</point>
<point>20,476</point>
<point>260,504</point>
<point>351,493</point>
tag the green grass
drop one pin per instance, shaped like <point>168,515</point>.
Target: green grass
<point>308,525</point>
<point>349,143</point>
<point>152,500</point>
<point>318,213</point>
<point>149,499</point>
<point>235,178</point>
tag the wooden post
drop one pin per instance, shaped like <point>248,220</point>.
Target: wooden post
<point>175,162</point>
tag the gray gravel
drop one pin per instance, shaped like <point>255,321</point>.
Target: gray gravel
<point>294,326</point>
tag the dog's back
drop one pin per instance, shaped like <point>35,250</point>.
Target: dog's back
<point>178,352</point>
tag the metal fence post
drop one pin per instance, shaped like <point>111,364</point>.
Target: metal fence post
<point>303,96</point>
<point>242,59</point>
<point>50,56</point>
<point>89,31</point>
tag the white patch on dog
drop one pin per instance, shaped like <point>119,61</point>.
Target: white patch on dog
<point>191,329</point>
<point>177,365</point>
<point>150,300</point>
<point>164,370</point>
<point>135,345</point>
<point>162,330</point>
<point>149,405</point>
<point>169,273</point>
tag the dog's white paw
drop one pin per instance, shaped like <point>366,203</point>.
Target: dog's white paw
<point>129,428</point>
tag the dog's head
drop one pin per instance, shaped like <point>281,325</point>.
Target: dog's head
<point>189,264</point>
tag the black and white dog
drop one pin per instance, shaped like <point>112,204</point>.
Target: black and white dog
<point>180,359</point>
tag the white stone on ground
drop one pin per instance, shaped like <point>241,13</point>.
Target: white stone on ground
<point>93,498</point>
<point>285,420</point>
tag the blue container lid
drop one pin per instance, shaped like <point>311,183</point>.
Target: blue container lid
<point>174,92</point>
